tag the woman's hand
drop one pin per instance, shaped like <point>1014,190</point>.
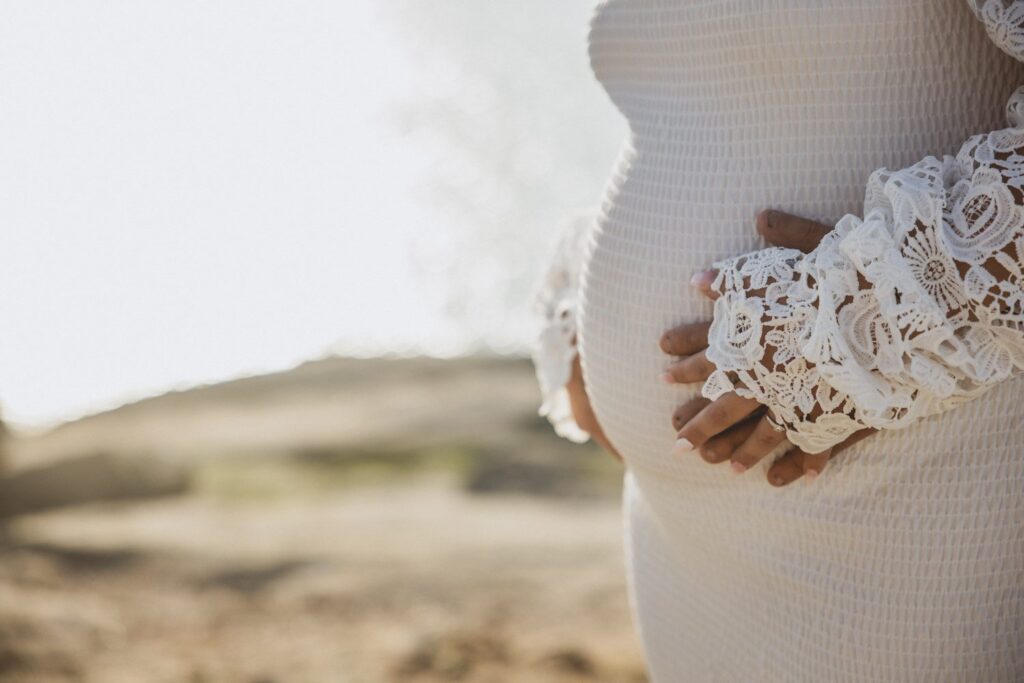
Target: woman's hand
<point>582,412</point>
<point>733,428</point>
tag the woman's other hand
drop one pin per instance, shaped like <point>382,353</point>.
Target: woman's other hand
<point>733,428</point>
<point>582,412</point>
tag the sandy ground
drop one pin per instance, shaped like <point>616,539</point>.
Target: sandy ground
<point>492,553</point>
<point>436,585</point>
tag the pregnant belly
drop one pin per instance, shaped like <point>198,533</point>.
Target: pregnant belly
<point>648,243</point>
<point>657,229</point>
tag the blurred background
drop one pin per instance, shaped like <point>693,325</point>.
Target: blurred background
<point>269,415</point>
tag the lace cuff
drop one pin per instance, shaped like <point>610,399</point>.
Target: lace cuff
<point>556,304</point>
<point>903,314</point>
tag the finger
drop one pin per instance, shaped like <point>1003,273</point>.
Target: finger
<point>687,412</point>
<point>703,281</point>
<point>786,230</point>
<point>762,441</point>
<point>720,448</point>
<point>695,368</point>
<point>794,464</point>
<point>787,469</point>
<point>797,463</point>
<point>714,419</point>
<point>854,438</point>
<point>685,340</point>
<point>814,464</point>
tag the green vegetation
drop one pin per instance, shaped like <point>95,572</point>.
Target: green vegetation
<point>321,471</point>
<point>327,471</point>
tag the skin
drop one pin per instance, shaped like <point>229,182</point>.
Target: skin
<point>582,413</point>
<point>734,429</point>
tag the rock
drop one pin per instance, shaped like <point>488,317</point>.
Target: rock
<point>573,661</point>
<point>490,475</point>
<point>451,656</point>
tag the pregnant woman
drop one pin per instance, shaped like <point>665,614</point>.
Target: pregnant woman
<point>904,559</point>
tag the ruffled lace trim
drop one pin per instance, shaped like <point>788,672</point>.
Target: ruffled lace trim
<point>906,313</point>
<point>556,304</point>
<point>1004,23</point>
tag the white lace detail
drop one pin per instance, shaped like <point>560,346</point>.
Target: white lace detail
<point>556,303</point>
<point>1004,22</point>
<point>903,314</point>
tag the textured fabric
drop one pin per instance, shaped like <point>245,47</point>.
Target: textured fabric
<point>904,560</point>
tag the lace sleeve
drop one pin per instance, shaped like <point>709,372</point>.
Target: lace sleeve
<point>896,316</point>
<point>555,303</point>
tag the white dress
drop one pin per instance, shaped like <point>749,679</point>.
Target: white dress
<point>904,561</point>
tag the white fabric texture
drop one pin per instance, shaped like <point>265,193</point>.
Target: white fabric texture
<point>556,304</point>
<point>904,560</point>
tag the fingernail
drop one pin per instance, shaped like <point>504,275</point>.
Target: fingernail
<point>811,475</point>
<point>738,467</point>
<point>703,278</point>
<point>682,447</point>
<point>667,377</point>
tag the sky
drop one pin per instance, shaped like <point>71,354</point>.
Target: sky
<point>193,191</point>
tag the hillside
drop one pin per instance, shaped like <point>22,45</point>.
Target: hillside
<point>344,403</point>
<point>348,521</point>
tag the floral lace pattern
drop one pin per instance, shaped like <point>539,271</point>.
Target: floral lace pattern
<point>556,304</point>
<point>1004,22</point>
<point>896,316</point>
